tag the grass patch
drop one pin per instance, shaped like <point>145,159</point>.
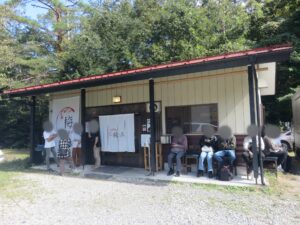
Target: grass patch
<point>275,188</point>
<point>13,154</point>
<point>284,186</point>
<point>14,160</point>
<point>226,188</point>
<point>11,184</point>
<point>14,165</point>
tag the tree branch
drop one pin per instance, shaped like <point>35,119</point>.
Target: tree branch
<point>47,4</point>
<point>38,6</point>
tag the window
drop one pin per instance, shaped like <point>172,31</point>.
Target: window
<point>192,117</point>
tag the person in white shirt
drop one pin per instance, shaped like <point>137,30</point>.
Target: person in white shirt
<point>248,151</point>
<point>76,148</point>
<point>49,136</point>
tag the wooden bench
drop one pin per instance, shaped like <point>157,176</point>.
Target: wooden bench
<point>193,142</point>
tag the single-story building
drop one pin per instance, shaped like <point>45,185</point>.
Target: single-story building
<point>219,90</point>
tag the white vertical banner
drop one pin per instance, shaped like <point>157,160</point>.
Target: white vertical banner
<point>65,113</point>
<point>117,133</point>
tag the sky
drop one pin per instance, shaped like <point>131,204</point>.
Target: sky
<point>29,10</point>
<point>32,12</point>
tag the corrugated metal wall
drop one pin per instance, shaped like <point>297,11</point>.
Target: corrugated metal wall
<point>227,87</point>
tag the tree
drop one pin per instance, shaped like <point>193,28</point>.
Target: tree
<point>24,60</point>
<point>74,39</point>
<point>279,23</point>
<point>118,35</point>
<point>25,57</point>
<point>43,39</point>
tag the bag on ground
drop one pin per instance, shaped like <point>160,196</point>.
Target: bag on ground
<point>226,174</point>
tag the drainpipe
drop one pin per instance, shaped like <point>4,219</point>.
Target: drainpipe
<point>32,127</point>
<point>253,118</point>
<point>258,125</point>
<point>83,134</point>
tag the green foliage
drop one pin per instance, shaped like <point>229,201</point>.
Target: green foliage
<point>15,163</point>
<point>73,39</point>
<point>15,121</point>
<point>130,35</point>
<point>280,23</point>
<point>11,120</point>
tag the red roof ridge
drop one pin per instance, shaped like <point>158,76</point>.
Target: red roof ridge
<point>159,66</point>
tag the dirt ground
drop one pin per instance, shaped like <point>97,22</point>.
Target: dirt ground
<point>38,198</point>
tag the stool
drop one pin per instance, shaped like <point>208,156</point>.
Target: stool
<point>187,157</point>
<point>158,157</point>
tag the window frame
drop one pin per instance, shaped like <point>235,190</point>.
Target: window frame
<point>190,107</point>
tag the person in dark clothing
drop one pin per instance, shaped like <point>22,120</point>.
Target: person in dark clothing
<point>207,145</point>
<point>248,152</point>
<point>275,150</point>
<point>226,148</point>
<point>95,140</point>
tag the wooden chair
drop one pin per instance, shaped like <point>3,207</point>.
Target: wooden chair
<point>273,160</point>
<point>192,154</point>
<point>158,155</point>
<point>187,158</point>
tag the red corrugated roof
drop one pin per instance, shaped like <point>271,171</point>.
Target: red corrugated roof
<point>256,51</point>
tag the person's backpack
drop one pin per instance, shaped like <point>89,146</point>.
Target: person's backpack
<point>225,173</point>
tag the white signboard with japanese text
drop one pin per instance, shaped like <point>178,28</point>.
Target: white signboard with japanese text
<point>117,133</point>
<point>65,113</point>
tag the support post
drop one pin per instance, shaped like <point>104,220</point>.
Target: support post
<point>153,127</point>
<point>253,118</point>
<point>83,134</point>
<point>32,127</point>
<point>259,126</point>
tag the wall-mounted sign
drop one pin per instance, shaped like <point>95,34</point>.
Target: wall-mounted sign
<point>65,113</point>
<point>145,140</point>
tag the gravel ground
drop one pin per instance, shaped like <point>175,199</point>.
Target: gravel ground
<point>50,199</point>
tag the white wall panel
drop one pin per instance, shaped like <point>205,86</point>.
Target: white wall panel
<point>228,88</point>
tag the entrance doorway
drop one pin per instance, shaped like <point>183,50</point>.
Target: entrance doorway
<point>141,124</point>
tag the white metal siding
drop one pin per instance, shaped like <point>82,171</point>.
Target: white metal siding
<point>227,87</point>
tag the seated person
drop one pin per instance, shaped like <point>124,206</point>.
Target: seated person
<point>248,151</point>
<point>226,148</point>
<point>207,145</point>
<point>178,148</point>
<point>274,149</point>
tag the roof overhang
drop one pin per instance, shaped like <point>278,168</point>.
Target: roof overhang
<point>267,79</point>
<point>230,60</point>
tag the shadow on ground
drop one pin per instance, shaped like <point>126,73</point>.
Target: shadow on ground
<point>296,166</point>
<point>19,162</point>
